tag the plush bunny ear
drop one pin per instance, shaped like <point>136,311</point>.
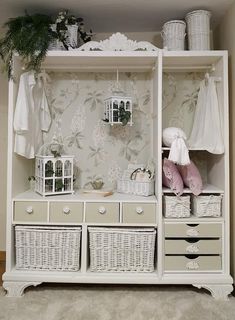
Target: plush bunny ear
<point>175,138</point>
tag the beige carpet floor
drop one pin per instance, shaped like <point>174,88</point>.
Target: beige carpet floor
<point>70,302</point>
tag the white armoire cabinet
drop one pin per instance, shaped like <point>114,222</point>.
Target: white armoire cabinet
<point>171,266</point>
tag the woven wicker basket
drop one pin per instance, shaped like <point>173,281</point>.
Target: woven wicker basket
<point>207,206</point>
<point>198,29</point>
<point>177,207</point>
<point>173,34</point>
<point>122,250</point>
<point>135,187</point>
<point>47,248</point>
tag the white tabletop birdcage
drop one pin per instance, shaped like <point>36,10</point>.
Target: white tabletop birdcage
<point>54,174</point>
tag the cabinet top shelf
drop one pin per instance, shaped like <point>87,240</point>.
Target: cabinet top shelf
<point>191,60</point>
<point>138,61</point>
<point>101,60</point>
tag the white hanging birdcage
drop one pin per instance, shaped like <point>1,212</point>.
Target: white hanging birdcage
<point>54,173</point>
<point>118,107</point>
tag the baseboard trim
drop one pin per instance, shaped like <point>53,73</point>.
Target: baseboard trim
<point>2,256</point>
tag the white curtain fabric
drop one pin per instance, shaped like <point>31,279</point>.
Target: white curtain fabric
<point>207,132</point>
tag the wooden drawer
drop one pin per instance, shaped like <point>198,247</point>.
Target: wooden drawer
<point>139,212</point>
<point>193,231</point>
<point>199,247</point>
<point>201,263</point>
<point>31,211</point>
<point>102,212</point>
<point>66,212</point>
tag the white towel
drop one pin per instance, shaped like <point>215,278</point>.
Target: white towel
<point>175,139</point>
<point>179,152</point>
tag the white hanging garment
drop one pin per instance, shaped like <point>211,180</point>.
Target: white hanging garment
<point>32,116</point>
<point>207,131</point>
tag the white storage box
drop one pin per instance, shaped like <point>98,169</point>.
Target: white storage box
<point>198,29</point>
<point>54,175</point>
<point>47,248</point>
<point>173,34</point>
<point>177,207</point>
<point>122,250</point>
<point>135,187</point>
<point>207,206</point>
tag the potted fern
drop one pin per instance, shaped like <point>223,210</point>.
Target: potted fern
<point>31,36</point>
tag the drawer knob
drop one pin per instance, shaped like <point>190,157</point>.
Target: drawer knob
<point>139,210</point>
<point>29,209</point>
<point>192,248</point>
<point>192,265</point>
<point>192,232</point>
<point>66,210</point>
<point>102,210</point>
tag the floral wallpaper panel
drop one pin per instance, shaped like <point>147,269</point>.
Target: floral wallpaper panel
<point>77,105</point>
<point>180,93</point>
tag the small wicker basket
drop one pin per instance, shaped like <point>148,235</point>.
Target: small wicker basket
<point>207,206</point>
<point>47,248</point>
<point>173,34</point>
<point>198,29</point>
<point>135,187</point>
<point>177,207</point>
<point>122,250</point>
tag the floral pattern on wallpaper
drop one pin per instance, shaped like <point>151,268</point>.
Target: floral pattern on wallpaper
<point>180,93</point>
<point>101,151</point>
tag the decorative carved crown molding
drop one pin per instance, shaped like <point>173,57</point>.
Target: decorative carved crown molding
<point>117,42</point>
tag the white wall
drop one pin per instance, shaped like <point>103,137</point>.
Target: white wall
<point>224,39</point>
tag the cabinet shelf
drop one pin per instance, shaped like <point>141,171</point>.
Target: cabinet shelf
<point>194,219</point>
<point>80,196</point>
<point>190,149</point>
<point>207,188</point>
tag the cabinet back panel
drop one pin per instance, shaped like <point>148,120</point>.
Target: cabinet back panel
<point>77,105</point>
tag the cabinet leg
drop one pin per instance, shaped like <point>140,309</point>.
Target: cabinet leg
<point>16,288</point>
<point>218,291</point>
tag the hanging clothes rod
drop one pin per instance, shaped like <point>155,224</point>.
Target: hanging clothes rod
<point>216,79</point>
<point>183,68</point>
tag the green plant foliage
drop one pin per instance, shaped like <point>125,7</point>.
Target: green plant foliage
<point>30,37</point>
<point>124,116</point>
<point>59,185</point>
